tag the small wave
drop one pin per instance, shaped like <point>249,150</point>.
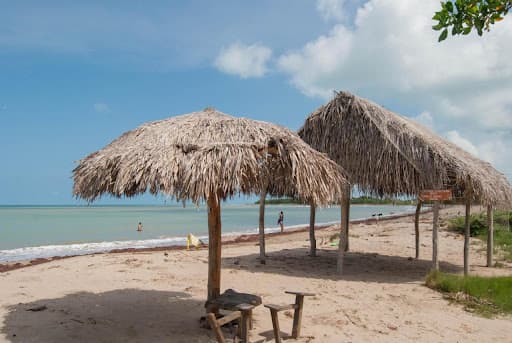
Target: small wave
<point>47,251</point>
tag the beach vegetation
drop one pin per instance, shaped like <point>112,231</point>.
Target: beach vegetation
<point>478,229</point>
<point>362,200</point>
<point>281,201</point>
<point>487,296</point>
<point>380,201</point>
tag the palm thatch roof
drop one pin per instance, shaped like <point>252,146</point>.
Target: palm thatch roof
<point>388,154</point>
<point>194,155</point>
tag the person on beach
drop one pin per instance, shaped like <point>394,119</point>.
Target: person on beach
<point>280,221</point>
<point>139,227</point>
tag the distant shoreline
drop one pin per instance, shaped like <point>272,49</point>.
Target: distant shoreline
<point>353,201</point>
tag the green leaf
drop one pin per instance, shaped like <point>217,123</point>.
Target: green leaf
<point>459,5</point>
<point>473,9</point>
<point>437,16</point>
<point>438,27</point>
<point>449,6</point>
<point>466,30</point>
<point>479,24</point>
<point>443,35</point>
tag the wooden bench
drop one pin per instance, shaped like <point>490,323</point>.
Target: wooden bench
<point>297,315</point>
<point>241,304</point>
<point>244,317</point>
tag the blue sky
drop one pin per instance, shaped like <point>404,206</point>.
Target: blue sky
<point>74,76</point>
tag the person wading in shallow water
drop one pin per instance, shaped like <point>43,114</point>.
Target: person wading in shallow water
<point>139,227</point>
<point>280,221</point>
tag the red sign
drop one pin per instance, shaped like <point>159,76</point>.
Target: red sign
<point>436,194</point>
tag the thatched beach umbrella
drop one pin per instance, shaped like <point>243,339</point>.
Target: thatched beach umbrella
<point>388,154</point>
<point>209,156</point>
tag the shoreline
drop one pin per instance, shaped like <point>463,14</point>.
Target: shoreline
<point>29,234</point>
<point>226,240</point>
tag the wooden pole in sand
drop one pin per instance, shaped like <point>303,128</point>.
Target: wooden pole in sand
<point>490,235</point>
<point>467,231</point>
<point>343,231</point>
<point>435,225</point>
<point>417,228</point>
<point>214,246</point>
<point>263,194</point>
<point>312,239</point>
<point>346,218</point>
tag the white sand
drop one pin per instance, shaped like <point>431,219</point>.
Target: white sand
<point>150,297</point>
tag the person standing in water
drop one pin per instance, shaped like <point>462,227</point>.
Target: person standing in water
<point>139,227</point>
<point>280,221</point>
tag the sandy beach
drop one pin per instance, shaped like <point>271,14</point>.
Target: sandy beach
<point>158,296</point>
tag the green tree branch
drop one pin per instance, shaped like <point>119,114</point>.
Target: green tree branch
<point>464,15</point>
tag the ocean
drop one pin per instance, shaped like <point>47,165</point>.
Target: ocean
<point>28,232</point>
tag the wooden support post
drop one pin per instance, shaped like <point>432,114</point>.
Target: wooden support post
<point>275,325</point>
<point>245,322</point>
<point>262,226</point>
<point>467,233</point>
<point>346,218</point>
<point>490,235</point>
<point>214,247</point>
<point>297,315</point>
<point>343,232</point>
<point>417,228</point>
<point>216,327</point>
<point>435,225</point>
<point>249,313</point>
<point>312,238</point>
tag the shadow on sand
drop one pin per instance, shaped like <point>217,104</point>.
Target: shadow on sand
<point>126,315</point>
<point>370,267</point>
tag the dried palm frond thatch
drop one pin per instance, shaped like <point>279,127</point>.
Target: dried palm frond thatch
<point>387,154</point>
<point>191,156</point>
<point>210,155</point>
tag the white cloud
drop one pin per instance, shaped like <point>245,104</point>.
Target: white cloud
<point>318,63</point>
<point>455,137</point>
<point>495,149</point>
<point>380,56</point>
<point>391,55</point>
<point>101,107</point>
<point>244,60</point>
<point>425,118</point>
<point>331,9</point>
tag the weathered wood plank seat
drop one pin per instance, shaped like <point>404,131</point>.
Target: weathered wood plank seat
<point>297,315</point>
<point>241,304</point>
<point>230,299</point>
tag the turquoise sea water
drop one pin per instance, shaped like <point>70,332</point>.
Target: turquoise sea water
<point>37,231</point>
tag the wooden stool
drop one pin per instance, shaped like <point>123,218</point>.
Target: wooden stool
<point>297,315</point>
<point>231,300</point>
<point>243,315</point>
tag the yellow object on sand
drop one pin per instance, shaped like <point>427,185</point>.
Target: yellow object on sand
<point>193,240</point>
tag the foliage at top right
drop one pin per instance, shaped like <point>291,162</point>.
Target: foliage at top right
<point>464,15</point>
